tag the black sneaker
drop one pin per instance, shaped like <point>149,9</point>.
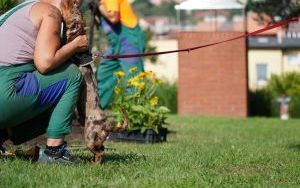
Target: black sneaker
<point>2,150</point>
<point>3,138</point>
<point>62,156</point>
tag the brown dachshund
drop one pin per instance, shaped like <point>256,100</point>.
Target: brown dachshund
<point>96,121</point>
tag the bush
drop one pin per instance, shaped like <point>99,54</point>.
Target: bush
<point>260,103</point>
<point>263,102</point>
<point>167,93</point>
<point>287,84</point>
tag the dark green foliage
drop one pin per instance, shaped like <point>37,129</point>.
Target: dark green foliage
<point>165,9</point>
<point>144,9</point>
<point>287,84</point>
<point>276,9</point>
<point>149,47</point>
<point>259,103</point>
<point>5,5</point>
<point>167,94</point>
<point>263,102</point>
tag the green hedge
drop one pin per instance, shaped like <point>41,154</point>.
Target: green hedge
<point>263,102</point>
<point>167,94</point>
<point>260,103</point>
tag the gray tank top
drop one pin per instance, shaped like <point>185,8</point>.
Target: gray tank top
<point>17,38</point>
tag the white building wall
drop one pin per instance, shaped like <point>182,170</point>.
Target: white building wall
<point>166,67</point>
<point>291,61</point>
<point>271,58</point>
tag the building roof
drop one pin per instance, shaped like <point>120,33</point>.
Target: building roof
<point>273,43</point>
<point>209,5</point>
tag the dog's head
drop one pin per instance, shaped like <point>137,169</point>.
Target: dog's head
<point>73,18</point>
<point>98,155</point>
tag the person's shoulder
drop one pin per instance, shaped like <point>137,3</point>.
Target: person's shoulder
<point>47,9</point>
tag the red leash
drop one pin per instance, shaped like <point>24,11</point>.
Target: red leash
<point>281,23</point>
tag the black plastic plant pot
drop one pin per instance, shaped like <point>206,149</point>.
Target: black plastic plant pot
<point>149,136</point>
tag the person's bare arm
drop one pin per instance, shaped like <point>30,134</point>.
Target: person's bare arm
<point>112,16</point>
<point>48,53</point>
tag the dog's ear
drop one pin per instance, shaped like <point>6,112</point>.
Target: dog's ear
<point>77,3</point>
<point>67,9</point>
<point>67,4</point>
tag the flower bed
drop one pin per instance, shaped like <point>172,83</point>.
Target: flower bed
<point>135,94</point>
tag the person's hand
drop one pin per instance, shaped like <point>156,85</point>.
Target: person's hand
<point>81,43</point>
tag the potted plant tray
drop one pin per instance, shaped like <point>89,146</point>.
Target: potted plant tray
<point>149,136</point>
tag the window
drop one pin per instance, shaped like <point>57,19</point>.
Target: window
<point>293,59</point>
<point>261,74</point>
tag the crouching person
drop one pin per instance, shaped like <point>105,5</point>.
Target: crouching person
<point>38,86</point>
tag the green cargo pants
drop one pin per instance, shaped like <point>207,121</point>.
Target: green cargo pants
<point>32,103</point>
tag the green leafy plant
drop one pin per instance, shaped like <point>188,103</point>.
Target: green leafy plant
<point>136,95</point>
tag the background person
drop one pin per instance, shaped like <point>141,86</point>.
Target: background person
<point>284,101</point>
<point>120,24</point>
<point>39,88</point>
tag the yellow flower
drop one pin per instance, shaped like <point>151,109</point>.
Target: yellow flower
<point>140,86</point>
<point>117,90</point>
<point>133,69</point>
<point>156,81</point>
<point>120,74</point>
<point>150,74</point>
<point>134,81</point>
<point>153,101</point>
<point>141,75</point>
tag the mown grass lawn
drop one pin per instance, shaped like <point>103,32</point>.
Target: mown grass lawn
<point>201,152</point>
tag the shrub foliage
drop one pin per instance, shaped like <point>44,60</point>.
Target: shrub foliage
<point>263,102</point>
<point>167,93</point>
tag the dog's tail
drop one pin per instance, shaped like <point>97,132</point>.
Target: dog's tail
<point>113,126</point>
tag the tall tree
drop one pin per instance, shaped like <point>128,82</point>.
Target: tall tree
<point>144,8</point>
<point>7,4</point>
<point>276,10</point>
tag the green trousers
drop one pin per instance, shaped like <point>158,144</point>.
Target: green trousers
<point>32,103</point>
<point>122,40</point>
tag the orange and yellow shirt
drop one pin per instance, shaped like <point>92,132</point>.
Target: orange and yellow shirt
<point>127,15</point>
